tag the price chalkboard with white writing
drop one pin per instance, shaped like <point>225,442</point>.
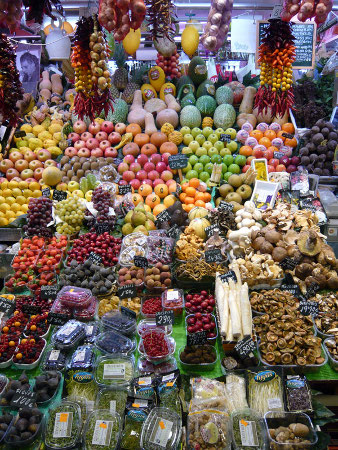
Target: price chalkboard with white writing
<point>307,308</point>
<point>127,291</point>
<point>23,398</point>
<point>164,318</point>
<point>49,292</point>
<point>57,318</point>
<point>141,261</point>
<point>59,195</point>
<point>178,161</point>
<point>213,255</point>
<point>124,189</point>
<point>199,338</point>
<point>245,347</point>
<point>7,306</point>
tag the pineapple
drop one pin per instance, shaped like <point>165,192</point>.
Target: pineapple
<point>120,77</point>
<point>134,84</point>
<point>115,93</point>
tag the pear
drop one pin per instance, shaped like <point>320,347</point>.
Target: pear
<point>141,229</point>
<point>138,218</point>
<point>150,216</point>
<point>150,225</point>
<point>140,207</point>
<point>128,217</point>
<point>127,229</point>
<point>235,180</point>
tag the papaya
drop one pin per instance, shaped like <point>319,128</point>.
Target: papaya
<point>148,92</point>
<point>156,77</point>
<point>167,88</point>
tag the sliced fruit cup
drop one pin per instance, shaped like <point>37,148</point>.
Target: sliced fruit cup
<point>134,304</point>
<point>29,352</point>
<point>156,346</point>
<point>37,326</point>
<point>151,304</point>
<point>198,322</point>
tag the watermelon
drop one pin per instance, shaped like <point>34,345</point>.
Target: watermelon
<point>207,87</point>
<point>206,105</point>
<point>225,116</point>
<point>224,94</point>
<point>190,117</point>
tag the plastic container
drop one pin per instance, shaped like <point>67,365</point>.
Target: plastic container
<point>132,239</point>
<point>149,324</point>
<point>171,344</point>
<point>209,425</point>
<point>114,370</point>
<point>3,433</point>
<point>284,419</point>
<point>102,430</point>
<point>210,340</point>
<point>333,362</point>
<point>145,299</point>
<point>27,332</point>
<point>147,367</point>
<point>115,320</point>
<point>63,427</point>
<point>161,430</point>
<point>25,443</point>
<point>127,255</point>
<point>160,249</point>
<point>74,297</point>
<point>35,363</point>
<point>69,335</point>
<point>3,383</point>
<point>58,307</point>
<point>112,399</point>
<point>54,359</point>
<point>82,359</point>
<point>200,366</point>
<point>111,342</point>
<point>92,331</point>
<point>173,300</point>
<point>248,430</point>
<point>46,402</point>
<point>87,313</point>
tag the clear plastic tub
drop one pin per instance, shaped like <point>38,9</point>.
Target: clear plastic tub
<point>35,363</point>
<point>248,430</point>
<point>147,367</point>
<point>115,320</point>
<point>92,331</point>
<point>54,359</point>
<point>210,340</point>
<point>82,359</point>
<point>135,239</point>
<point>127,255</point>
<point>149,324</point>
<point>50,392</point>
<point>332,361</point>
<point>170,342</point>
<point>146,300</point>
<point>211,427</point>
<point>173,300</point>
<point>3,383</point>
<point>58,307</point>
<point>102,430</point>
<point>160,249</point>
<point>63,426</point>
<point>114,370</point>
<point>112,342</point>
<point>162,429</point>
<point>87,313</point>
<point>69,335</point>
<point>74,297</point>
<point>112,399</point>
<point>284,419</point>
<point>197,367</point>
<point>7,418</point>
<point>23,443</point>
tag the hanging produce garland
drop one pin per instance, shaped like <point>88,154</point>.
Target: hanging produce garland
<point>10,85</point>
<point>90,63</point>
<point>307,9</point>
<point>11,14</point>
<point>217,26</point>
<point>276,55</point>
<point>39,8</point>
<point>160,18</point>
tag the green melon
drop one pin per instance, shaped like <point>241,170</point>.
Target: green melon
<point>206,105</point>
<point>185,80</point>
<point>197,70</point>
<point>224,94</point>
<point>224,116</point>
<point>120,112</point>
<point>207,87</point>
<point>190,117</point>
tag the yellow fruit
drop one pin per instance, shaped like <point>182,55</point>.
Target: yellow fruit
<point>49,143</point>
<point>22,143</point>
<point>19,213</point>
<point>167,88</point>
<point>29,135</point>
<point>51,176</point>
<point>207,122</point>
<point>34,186</point>
<point>156,77</point>
<point>15,207</point>
<point>36,194</point>
<point>148,92</point>
<point>13,184</point>
<point>132,41</point>
<point>99,120</point>
<point>2,214</point>
<point>57,136</point>
<point>27,193</point>
<point>44,135</point>
<point>24,208</point>
<point>11,220</point>
<point>3,222</point>
<point>10,214</point>
<point>7,193</point>
<point>2,199</point>
<point>167,128</point>
<point>147,208</point>
<point>189,40</point>
<point>4,185</point>
<point>54,128</point>
<point>21,200</point>
<point>26,128</point>
<point>88,196</point>
<point>176,137</point>
<point>23,185</point>
<point>10,200</point>
<point>4,207</point>
<point>34,143</point>
<point>38,129</point>
<point>78,193</point>
<point>16,192</point>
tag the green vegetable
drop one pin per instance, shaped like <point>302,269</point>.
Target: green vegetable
<point>103,377</point>
<point>136,413</point>
<point>109,433</point>
<point>112,399</point>
<point>76,389</point>
<point>248,419</point>
<point>74,427</point>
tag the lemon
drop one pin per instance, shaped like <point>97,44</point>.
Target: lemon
<point>2,214</point>
<point>34,186</point>
<point>38,129</point>
<point>36,194</point>
<point>21,200</point>
<point>4,184</point>
<point>15,207</point>
<point>11,220</point>
<point>26,128</point>
<point>19,213</point>
<point>57,136</point>
<point>16,192</point>
<point>4,207</point>
<point>27,193</point>
<point>22,143</point>
<point>44,135</point>
<point>7,192</point>
<point>24,208</point>
<point>54,128</point>
<point>13,184</point>
<point>3,222</point>
<point>10,200</point>
<point>2,199</point>
<point>10,214</point>
<point>23,184</point>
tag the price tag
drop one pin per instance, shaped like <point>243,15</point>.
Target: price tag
<point>163,216</point>
<point>59,195</point>
<point>293,288</point>
<point>225,138</point>
<point>288,263</point>
<point>46,192</point>
<point>211,230</point>
<point>226,205</point>
<point>95,258</point>
<point>164,318</point>
<point>287,135</point>
<point>31,309</point>
<point>307,308</point>
<point>141,261</point>
<point>245,347</point>
<point>23,398</point>
<point>20,134</point>
<point>174,232</point>
<point>278,155</point>
<point>7,306</point>
<point>312,290</point>
<point>199,338</point>
<point>178,161</point>
<point>128,312</point>
<point>49,292</point>
<point>124,189</point>
<point>213,255</point>
<point>127,291</point>
<point>102,227</point>
<point>229,276</point>
<point>57,318</point>
<point>277,11</point>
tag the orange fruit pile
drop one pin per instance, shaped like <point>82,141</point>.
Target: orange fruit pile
<point>191,196</point>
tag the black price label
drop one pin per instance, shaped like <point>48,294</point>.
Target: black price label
<point>128,312</point>
<point>127,291</point>
<point>245,347</point>
<point>278,155</point>
<point>228,276</point>
<point>124,189</point>
<point>164,318</point>
<point>225,138</point>
<point>178,161</point>
<point>31,309</point>
<point>226,205</point>
<point>23,398</point>
<point>46,192</point>
<point>49,292</point>
<point>211,230</point>
<point>312,290</point>
<point>141,261</point>
<point>95,258</point>
<point>199,338</point>
<point>289,263</point>
<point>287,135</point>
<point>20,134</point>
<point>102,227</point>
<point>292,288</point>
<point>174,232</point>
<point>163,216</point>
<point>7,306</point>
<point>213,255</point>
<point>57,318</point>
<point>308,308</point>
<point>59,195</point>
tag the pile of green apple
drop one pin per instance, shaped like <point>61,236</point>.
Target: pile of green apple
<point>205,148</point>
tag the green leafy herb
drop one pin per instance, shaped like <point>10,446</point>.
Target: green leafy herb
<point>109,424</point>
<point>74,426</point>
<point>113,400</point>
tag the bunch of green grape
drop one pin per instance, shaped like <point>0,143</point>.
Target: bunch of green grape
<point>71,211</point>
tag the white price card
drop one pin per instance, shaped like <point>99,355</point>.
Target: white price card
<point>161,432</point>
<point>248,433</point>
<point>102,432</point>
<point>112,406</point>
<point>113,371</point>
<point>63,425</point>
<point>274,403</point>
<point>172,294</point>
<point>54,355</point>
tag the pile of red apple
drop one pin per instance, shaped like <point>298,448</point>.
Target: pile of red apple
<point>95,140</point>
<point>26,166</point>
<point>199,302</point>
<point>202,322</point>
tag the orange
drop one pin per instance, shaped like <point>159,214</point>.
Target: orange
<point>199,196</point>
<point>137,198</point>
<point>288,128</point>
<point>145,190</point>
<point>194,182</point>
<point>161,190</point>
<point>200,203</point>
<point>159,208</point>
<point>270,134</point>
<point>280,135</point>
<point>152,200</point>
<point>207,197</point>
<point>172,187</point>
<point>189,207</point>
<point>133,128</point>
<point>245,150</point>
<point>184,186</point>
<point>191,192</point>
<point>189,200</point>
<point>169,200</point>
<point>182,196</point>
<point>256,134</point>
<point>290,142</point>
<point>265,141</point>
<point>273,148</point>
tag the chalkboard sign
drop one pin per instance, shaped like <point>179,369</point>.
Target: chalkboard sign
<point>163,216</point>
<point>292,288</point>
<point>312,290</point>
<point>7,306</point>
<point>141,261</point>
<point>57,318</point>
<point>174,232</point>
<point>225,205</point>
<point>23,398</point>
<point>128,312</point>
<point>245,347</point>
<point>288,263</point>
<point>95,258</point>
<point>59,195</point>
<point>308,308</point>
<point>213,255</point>
<point>49,292</point>
<point>46,192</point>
<point>199,338</point>
<point>102,227</point>
<point>20,134</point>
<point>225,137</point>
<point>228,276</point>
<point>178,161</point>
<point>164,318</point>
<point>305,39</point>
<point>127,291</point>
<point>287,135</point>
<point>211,230</point>
<point>31,309</point>
<point>124,189</point>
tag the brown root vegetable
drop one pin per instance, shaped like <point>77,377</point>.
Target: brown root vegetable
<point>299,429</point>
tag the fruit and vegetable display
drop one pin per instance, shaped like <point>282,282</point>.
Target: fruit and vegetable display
<point>173,280</point>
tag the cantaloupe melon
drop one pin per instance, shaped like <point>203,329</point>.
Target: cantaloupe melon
<point>225,116</point>
<point>190,117</point>
<point>206,105</point>
<point>224,94</point>
<point>51,176</point>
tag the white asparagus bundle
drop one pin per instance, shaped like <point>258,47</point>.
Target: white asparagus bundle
<point>246,311</point>
<point>234,311</point>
